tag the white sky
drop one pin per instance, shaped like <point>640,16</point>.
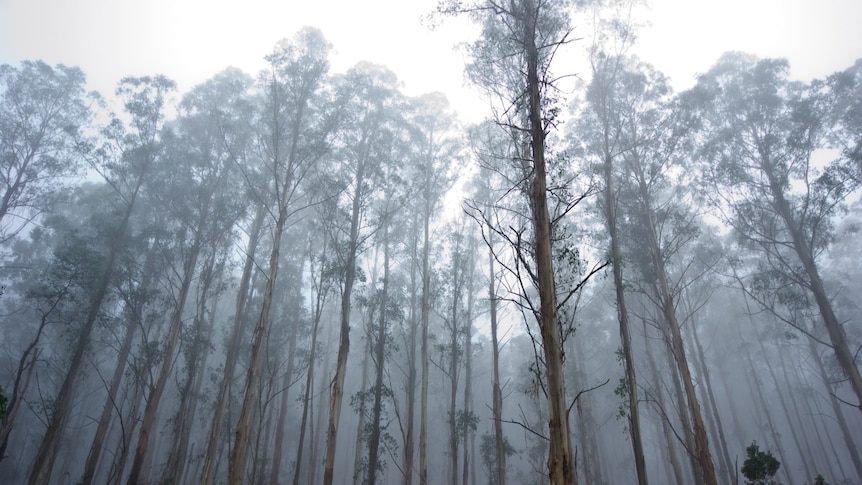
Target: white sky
<point>191,40</point>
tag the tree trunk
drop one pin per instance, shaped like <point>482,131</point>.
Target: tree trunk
<point>453,370</point>
<point>47,453</point>
<point>803,449</point>
<point>337,385</point>
<point>758,388</point>
<point>237,464</point>
<point>148,421</point>
<point>727,468</point>
<point>670,441</point>
<point>282,412</point>
<point>561,466</point>
<point>312,353</point>
<point>496,391</point>
<point>90,466</point>
<point>211,455</point>
<point>839,414</point>
<point>410,385</point>
<point>26,366</point>
<point>426,303</point>
<point>468,351</point>
<point>815,284</point>
<point>202,330</point>
<point>623,317</point>
<point>379,361</point>
<point>701,442</point>
<point>360,426</point>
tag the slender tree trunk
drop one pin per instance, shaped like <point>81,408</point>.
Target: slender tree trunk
<point>410,385</point>
<point>815,284</point>
<point>315,436</point>
<point>115,475</point>
<point>46,455</point>
<point>379,361</point>
<point>426,303</point>
<point>701,442</point>
<point>211,455</point>
<point>839,413</point>
<point>337,386</point>
<point>700,360</point>
<point>237,464</point>
<point>197,358</point>
<point>360,426</point>
<point>90,466</point>
<point>454,365</point>
<point>684,417</point>
<point>312,353</point>
<point>561,465</point>
<point>670,441</point>
<point>758,388</point>
<point>278,451</point>
<point>623,317</point>
<point>468,351</point>
<point>803,449</point>
<point>26,366</point>
<point>148,421</point>
<point>496,391</point>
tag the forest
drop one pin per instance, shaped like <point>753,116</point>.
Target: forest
<point>301,276</point>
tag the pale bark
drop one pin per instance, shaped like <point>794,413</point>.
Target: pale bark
<point>319,299</point>
<point>670,441</point>
<point>337,385</point>
<point>469,434</point>
<point>278,451</point>
<point>815,283</point>
<point>237,327</point>
<point>190,391</point>
<point>379,361</point>
<point>727,468</point>
<point>561,465</point>
<point>623,315</point>
<point>237,464</point>
<point>47,453</point>
<point>410,386</point>
<point>426,299</point>
<point>496,391</point>
<point>837,410</point>
<point>148,421</point>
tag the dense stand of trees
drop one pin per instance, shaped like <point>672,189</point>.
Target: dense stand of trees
<point>627,285</point>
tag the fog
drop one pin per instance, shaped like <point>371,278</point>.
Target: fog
<point>307,274</point>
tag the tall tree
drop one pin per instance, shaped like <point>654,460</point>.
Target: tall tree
<point>512,60</point>
<point>372,92</point>
<point>604,124</point>
<point>760,132</point>
<point>42,113</point>
<point>294,132</point>
<point>436,149</point>
<point>124,161</point>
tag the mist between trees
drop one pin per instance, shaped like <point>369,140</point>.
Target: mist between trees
<point>257,280</point>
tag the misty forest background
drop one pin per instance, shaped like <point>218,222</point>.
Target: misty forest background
<point>305,276</point>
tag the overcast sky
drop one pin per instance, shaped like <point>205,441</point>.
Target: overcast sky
<point>191,40</point>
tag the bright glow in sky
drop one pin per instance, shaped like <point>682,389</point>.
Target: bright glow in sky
<point>191,40</point>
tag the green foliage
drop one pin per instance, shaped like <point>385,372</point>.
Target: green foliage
<point>820,480</point>
<point>759,467</point>
<point>465,422</point>
<point>488,450</point>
